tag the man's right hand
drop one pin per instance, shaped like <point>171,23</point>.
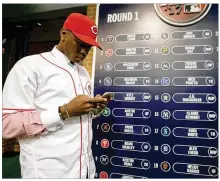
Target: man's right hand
<point>82,104</point>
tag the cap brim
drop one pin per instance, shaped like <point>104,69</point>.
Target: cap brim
<point>87,40</point>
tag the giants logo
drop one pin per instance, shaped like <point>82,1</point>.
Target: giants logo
<point>182,14</point>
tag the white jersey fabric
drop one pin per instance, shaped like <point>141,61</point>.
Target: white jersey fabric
<point>43,82</point>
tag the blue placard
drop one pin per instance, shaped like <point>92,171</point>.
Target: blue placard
<point>161,61</point>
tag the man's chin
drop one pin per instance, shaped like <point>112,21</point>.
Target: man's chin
<point>80,62</point>
<point>77,60</point>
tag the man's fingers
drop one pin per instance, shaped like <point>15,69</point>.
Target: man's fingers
<point>90,105</point>
<point>88,110</point>
<point>98,95</point>
<point>101,106</point>
<point>97,100</point>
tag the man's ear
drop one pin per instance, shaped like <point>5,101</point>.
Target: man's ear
<point>63,34</point>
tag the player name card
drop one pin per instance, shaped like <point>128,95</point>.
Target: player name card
<point>192,49</point>
<point>195,169</point>
<point>132,97</point>
<point>194,115</point>
<point>132,66</point>
<point>130,162</point>
<point>198,98</point>
<point>199,151</point>
<point>131,146</point>
<point>197,133</point>
<point>194,34</point>
<point>132,37</point>
<point>193,65</point>
<point>134,51</point>
<point>193,81</point>
<point>131,113</point>
<point>131,129</point>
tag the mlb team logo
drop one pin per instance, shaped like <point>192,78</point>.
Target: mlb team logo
<point>103,174</point>
<point>109,52</point>
<point>105,143</point>
<point>105,127</point>
<point>109,39</point>
<point>182,14</point>
<point>88,88</point>
<point>94,30</point>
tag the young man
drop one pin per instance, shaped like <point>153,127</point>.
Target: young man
<point>47,104</point>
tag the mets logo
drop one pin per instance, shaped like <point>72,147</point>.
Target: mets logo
<point>182,14</point>
<point>94,30</point>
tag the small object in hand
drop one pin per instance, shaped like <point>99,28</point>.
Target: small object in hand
<point>95,111</point>
<point>108,95</point>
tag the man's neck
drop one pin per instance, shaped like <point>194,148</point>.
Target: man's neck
<point>59,47</point>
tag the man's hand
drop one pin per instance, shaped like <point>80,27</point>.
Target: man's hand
<point>82,104</point>
<point>101,106</point>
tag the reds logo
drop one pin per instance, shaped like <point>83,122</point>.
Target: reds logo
<point>109,52</point>
<point>88,89</point>
<point>94,30</point>
<point>182,14</point>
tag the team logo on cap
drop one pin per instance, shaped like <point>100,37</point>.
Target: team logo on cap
<point>88,89</point>
<point>94,30</point>
<point>182,14</point>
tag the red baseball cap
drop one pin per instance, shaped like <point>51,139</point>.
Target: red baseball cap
<point>83,28</point>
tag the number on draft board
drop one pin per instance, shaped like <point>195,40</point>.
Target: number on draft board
<point>155,165</point>
<point>156,114</point>
<point>97,126</point>
<point>157,97</point>
<point>171,9</point>
<point>216,33</point>
<point>156,148</point>
<point>213,134</point>
<point>156,130</point>
<point>97,142</point>
<point>136,16</point>
<point>178,9</point>
<point>100,81</point>
<point>157,81</point>
<point>100,66</point>
<point>156,66</point>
